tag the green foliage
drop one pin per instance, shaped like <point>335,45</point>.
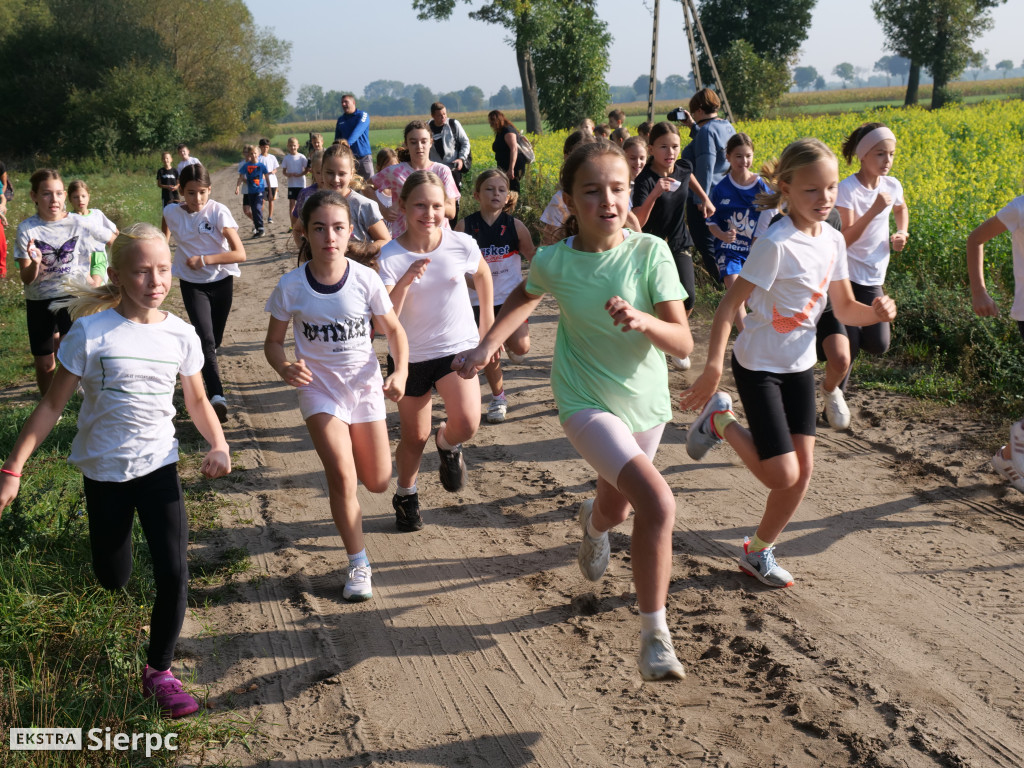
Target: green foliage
<point>752,83</point>
<point>572,65</point>
<point>804,77</point>
<point>844,72</point>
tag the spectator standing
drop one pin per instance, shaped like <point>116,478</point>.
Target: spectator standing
<point>354,127</point>
<point>451,145</point>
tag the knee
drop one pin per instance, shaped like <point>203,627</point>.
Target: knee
<point>110,578</point>
<point>519,346</point>
<point>379,482</point>
<point>786,473</point>
<point>45,364</point>
<point>415,439</point>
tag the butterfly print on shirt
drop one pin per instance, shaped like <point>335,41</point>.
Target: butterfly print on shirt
<point>55,256</point>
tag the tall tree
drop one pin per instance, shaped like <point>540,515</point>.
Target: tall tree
<point>526,22</point>
<point>804,77</point>
<point>844,72</point>
<point>934,34</point>
<point>1006,65</point>
<point>571,66</point>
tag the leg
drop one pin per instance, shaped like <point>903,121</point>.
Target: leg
<point>257,211</point>
<point>741,312</point>
<point>111,511</point>
<point>837,360</point>
<point>519,341</point>
<point>200,314</point>
<point>495,378</point>
<point>782,502</point>
<point>271,193</point>
<point>221,296</point>
<point>371,450</point>
<point>414,419</point>
<point>46,367</point>
<point>462,407</point>
<point>684,266</point>
<point>703,240</point>
<point>333,445</point>
<point>42,325</point>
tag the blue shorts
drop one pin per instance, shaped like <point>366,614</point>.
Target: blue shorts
<point>729,262</point>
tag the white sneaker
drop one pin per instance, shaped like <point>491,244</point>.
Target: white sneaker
<point>220,407</point>
<point>1008,470</point>
<point>594,553</point>
<point>836,410</point>
<point>657,659</point>
<point>680,363</point>
<point>357,585</point>
<point>496,410</point>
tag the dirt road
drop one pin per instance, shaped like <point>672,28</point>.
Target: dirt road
<point>901,644</point>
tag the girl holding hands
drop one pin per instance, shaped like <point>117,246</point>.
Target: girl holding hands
<point>783,282</point>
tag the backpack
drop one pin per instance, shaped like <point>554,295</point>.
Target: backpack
<point>525,148</point>
<point>467,165</point>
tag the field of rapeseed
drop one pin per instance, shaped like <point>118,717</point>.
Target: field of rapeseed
<point>958,166</point>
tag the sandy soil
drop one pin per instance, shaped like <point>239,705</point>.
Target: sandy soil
<point>900,645</point>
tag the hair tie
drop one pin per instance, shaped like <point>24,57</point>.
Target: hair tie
<point>878,134</point>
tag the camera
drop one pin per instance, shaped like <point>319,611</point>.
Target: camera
<point>679,115</point>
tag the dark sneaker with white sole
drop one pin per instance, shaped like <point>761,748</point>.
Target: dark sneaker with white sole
<point>407,512</point>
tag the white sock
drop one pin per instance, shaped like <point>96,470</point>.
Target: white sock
<point>406,491</point>
<point>649,622</point>
<point>441,442</point>
<point>359,558</point>
<point>592,532</point>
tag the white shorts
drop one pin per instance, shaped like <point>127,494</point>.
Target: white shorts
<point>605,442</point>
<point>352,406</point>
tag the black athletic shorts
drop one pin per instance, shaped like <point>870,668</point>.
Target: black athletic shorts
<point>271,193</point>
<point>828,325</point>
<point>424,376</point>
<point>777,405</point>
<point>293,192</point>
<point>42,322</point>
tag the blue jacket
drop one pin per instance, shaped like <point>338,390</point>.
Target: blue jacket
<point>355,129</point>
<point>708,147</point>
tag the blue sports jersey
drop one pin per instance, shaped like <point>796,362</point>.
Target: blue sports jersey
<point>735,210</point>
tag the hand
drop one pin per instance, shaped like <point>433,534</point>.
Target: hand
<point>728,236</point>
<point>194,262</point>
<point>469,363</point>
<point>697,396</point>
<point>457,165</point>
<point>882,201</point>
<point>898,241</point>
<point>414,272</point>
<point>296,374</point>
<point>885,308</point>
<point>236,190</point>
<point>394,386</point>
<point>709,210</point>
<point>9,485</point>
<point>665,184</point>
<point>216,463</point>
<point>390,213</point>
<point>624,314</point>
<point>34,253</point>
<point>984,305</point>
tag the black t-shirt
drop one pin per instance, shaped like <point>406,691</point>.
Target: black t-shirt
<point>668,216</point>
<point>496,240</point>
<point>167,176</point>
<point>502,153</point>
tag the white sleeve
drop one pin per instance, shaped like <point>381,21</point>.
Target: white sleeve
<point>841,269</point>
<point>380,302</point>
<point>72,350</point>
<point>276,305</point>
<point>194,360</point>
<point>762,265</point>
<point>1012,214</point>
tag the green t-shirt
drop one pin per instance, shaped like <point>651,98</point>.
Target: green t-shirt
<point>596,365</point>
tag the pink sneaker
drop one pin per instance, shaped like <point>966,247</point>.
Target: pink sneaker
<point>173,701</point>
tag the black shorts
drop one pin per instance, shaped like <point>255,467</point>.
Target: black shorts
<point>777,405</point>
<point>42,322</point>
<point>424,376</point>
<point>828,325</point>
<point>271,193</point>
<point>293,192</point>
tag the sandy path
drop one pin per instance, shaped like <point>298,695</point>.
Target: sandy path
<point>901,644</point>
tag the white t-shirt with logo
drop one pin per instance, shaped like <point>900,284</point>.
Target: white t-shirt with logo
<point>65,246</point>
<point>270,163</point>
<point>791,272</point>
<point>1012,215</point>
<point>295,164</point>
<point>332,330</point>
<point>869,256</point>
<point>128,372</point>
<point>198,234</point>
<point>437,315</point>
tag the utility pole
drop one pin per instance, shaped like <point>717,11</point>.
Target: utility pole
<point>688,6</point>
<point>652,84</point>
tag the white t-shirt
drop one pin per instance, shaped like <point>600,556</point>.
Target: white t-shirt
<point>869,256</point>
<point>270,163</point>
<point>97,217</point>
<point>436,315</point>
<point>1012,215</point>
<point>128,372</point>
<point>392,177</point>
<point>332,330</point>
<point>65,245</point>
<point>198,234</point>
<point>791,272</point>
<point>185,163</point>
<point>365,213</point>
<point>295,164</point>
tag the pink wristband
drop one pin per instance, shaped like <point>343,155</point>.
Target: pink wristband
<point>11,473</point>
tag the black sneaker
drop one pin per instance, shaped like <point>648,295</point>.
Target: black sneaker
<point>407,512</point>
<point>452,468</point>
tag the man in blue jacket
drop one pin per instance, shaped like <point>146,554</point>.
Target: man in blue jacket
<point>354,127</point>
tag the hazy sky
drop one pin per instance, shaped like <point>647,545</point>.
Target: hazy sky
<point>344,46</point>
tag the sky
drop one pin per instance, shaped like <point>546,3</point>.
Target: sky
<point>353,46</point>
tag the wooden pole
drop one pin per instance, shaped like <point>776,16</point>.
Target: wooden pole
<point>711,59</point>
<point>653,82</point>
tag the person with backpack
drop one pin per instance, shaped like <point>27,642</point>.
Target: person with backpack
<point>512,150</point>
<point>451,145</point>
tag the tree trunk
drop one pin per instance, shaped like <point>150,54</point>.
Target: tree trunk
<point>529,79</point>
<point>913,81</point>
<point>939,84</point>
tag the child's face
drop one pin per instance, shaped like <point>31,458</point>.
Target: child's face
<point>493,194</point>
<point>183,153</point>
<point>328,231</point>
<point>49,199</point>
<point>600,196</point>
<point>740,160</point>
<point>878,160</point>
<point>264,149</point>
<point>166,157</point>
<point>293,146</point>
<point>195,196</point>
<point>418,143</point>
<point>665,151</point>
<point>145,275</point>
<point>811,193</point>
<point>318,142</point>
<point>336,173</point>
<point>250,155</point>
<point>80,200</point>
<point>636,156</point>
<point>424,208</point>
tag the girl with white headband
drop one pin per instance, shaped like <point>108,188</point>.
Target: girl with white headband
<point>865,201</point>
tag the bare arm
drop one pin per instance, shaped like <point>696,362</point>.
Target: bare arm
<point>901,213</point>
<point>849,311</point>
<point>400,289</point>
<point>983,304</point>
<point>398,346</point>
<point>217,461</point>
<point>483,284</point>
<point>667,329</point>
<point>236,254</point>
<point>526,247</point>
<point>515,311</point>
<point>378,232</point>
<point>853,228</point>
<point>513,146</point>
<point>704,202</point>
<point>643,211</point>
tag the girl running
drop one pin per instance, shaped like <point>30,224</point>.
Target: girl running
<point>330,300</point>
<point>52,248</point>
<point>783,282</point>
<point>659,202</point>
<point>416,155</point>
<point>315,166</point>
<point>1008,461</point>
<point>737,221</point>
<point>78,194</point>
<point>425,270</point>
<point>504,241</point>
<point>636,155</point>
<point>127,358</point>
<point>610,383</point>
<point>864,203</point>
<point>206,264</point>
<point>385,157</point>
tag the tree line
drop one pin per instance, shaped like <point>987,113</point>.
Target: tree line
<point>127,76</point>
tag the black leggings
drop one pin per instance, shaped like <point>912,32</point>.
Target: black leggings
<point>208,305</point>
<point>703,240</point>
<point>873,339</point>
<point>161,506</point>
<point>684,266</point>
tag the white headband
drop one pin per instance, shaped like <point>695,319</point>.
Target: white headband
<point>879,134</point>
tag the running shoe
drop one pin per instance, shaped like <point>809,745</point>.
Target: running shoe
<point>357,584</point>
<point>514,358</point>
<point>259,233</point>
<point>407,512</point>
<point>220,407</point>
<point>1017,446</point>
<point>496,410</point>
<point>1008,470</point>
<point>657,659</point>
<point>837,412</point>
<point>680,363</point>
<point>270,221</point>
<point>167,690</point>
<point>701,436</point>
<point>452,468</point>
<point>594,553</point>
<point>762,566</point>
